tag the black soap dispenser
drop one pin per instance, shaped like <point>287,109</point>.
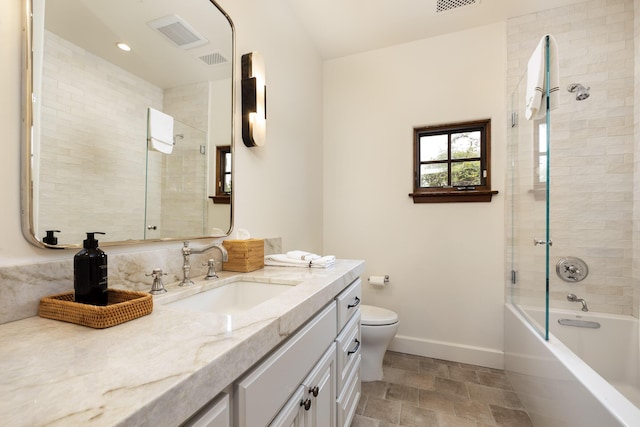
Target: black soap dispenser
<point>90,273</point>
<point>50,238</point>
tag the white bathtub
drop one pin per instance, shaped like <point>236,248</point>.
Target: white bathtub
<point>554,381</point>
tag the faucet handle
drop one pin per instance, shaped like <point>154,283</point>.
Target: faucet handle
<point>157,287</point>
<point>211,273</point>
<point>186,250</point>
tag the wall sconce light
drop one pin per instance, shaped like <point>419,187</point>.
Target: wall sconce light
<point>254,100</point>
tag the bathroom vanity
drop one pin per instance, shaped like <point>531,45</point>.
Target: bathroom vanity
<point>295,355</point>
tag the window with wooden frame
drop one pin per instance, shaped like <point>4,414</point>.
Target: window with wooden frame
<point>223,175</point>
<point>452,163</point>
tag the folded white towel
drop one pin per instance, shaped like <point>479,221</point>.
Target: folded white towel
<point>159,131</point>
<point>283,260</point>
<point>302,255</point>
<point>536,91</point>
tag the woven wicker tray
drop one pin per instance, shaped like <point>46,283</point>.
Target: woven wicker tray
<point>122,307</point>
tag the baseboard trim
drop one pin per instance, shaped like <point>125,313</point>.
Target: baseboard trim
<point>480,356</point>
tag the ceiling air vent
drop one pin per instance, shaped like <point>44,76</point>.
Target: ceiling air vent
<point>178,32</point>
<point>444,5</point>
<point>212,58</point>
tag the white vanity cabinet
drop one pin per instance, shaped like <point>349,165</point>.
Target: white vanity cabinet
<point>348,353</point>
<point>313,378</point>
<point>321,392</point>
<point>262,392</point>
<point>313,403</point>
<point>292,415</point>
<point>214,414</point>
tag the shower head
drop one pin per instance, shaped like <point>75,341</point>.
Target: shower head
<point>581,91</point>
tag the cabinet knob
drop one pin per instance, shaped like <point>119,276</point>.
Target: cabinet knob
<point>315,390</point>
<point>306,404</point>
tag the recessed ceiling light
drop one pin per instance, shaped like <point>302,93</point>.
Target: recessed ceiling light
<point>123,46</point>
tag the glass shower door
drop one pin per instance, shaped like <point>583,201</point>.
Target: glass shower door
<point>176,190</point>
<point>527,230</point>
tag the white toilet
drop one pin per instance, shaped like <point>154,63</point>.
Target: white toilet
<point>379,326</point>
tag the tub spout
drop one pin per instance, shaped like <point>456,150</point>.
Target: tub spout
<point>574,298</point>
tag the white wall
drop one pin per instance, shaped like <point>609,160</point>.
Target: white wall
<point>278,186</point>
<point>88,123</point>
<point>445,261</point>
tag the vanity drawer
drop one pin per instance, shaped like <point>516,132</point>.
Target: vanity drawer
<point>348,400</point>
<point>267,387</point>
<point>348,346</point>
<point>348,302</point>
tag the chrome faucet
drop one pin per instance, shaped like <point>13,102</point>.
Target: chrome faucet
<point>158,287</point>
<point>186,265</point>
<point>574,298</point>
<point>223,250</point>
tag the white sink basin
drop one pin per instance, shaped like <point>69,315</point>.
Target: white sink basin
<point>231,299</point>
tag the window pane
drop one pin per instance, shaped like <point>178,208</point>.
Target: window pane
<point>434,175</point>
<point>542,137</point>
<point>227,183</point>
<point>433,147</point>
<point>465,145</point>
<point>465,173</point>
<point>227,162</point>
<point>542,168</point>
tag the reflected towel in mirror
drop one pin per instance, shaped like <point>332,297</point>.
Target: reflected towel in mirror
<point>159,131</point>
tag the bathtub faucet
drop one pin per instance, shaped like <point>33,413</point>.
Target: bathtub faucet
<point>574,298</point>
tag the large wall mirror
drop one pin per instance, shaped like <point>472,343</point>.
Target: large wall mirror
<point>126,140</point>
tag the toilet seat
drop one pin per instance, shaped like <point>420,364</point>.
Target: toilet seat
<point>376,316</point>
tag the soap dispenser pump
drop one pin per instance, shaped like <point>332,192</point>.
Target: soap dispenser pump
<point>50,238</point>
<point>90,273</point>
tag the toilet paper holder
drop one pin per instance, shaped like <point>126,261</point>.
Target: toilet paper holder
<point>379,280</point>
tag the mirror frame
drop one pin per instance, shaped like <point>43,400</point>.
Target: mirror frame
<point>26,172</point>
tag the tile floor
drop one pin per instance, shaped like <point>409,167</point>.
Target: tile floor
<point>420,391</point>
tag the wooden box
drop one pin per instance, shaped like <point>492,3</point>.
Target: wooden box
<point>244,255</point>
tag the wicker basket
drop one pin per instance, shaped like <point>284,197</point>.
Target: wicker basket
<point>122,307</point>
<point>244,255</point>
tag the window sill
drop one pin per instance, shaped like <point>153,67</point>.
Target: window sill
<point>453,196</point>
<point>539,193</point>
<point>221,200</point>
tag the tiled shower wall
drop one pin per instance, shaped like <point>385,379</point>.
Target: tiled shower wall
<point>92,114</point>
<point>592,151</point>
<point>184,177</point>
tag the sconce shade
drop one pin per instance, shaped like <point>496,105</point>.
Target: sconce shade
<point>254,100</point>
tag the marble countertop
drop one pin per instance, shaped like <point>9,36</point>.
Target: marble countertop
<point>156,370</point>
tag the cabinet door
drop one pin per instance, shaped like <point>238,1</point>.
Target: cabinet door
<point>320,388</point>
<point>263,391</point>
<point>292,414</point>
<point>213,414</point>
